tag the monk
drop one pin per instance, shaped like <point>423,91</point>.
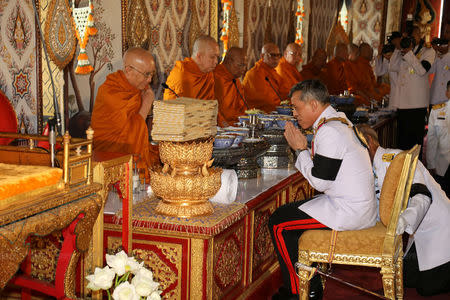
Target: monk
<point>313,70</point>
<point>287,67</point>
<point>361,79</point>
<point>193,77</point>
<point>228,89</point>
<point>263,87</point>
<point>334,70</point>
<point>122,104</point>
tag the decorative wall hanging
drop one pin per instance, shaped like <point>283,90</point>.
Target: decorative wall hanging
<point>59,33</point>
<point>84,27</point>
<point>225,35</point>
<point>138,25</point>
<point>299,14</point>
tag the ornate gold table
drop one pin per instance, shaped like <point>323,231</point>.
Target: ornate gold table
<point>226,255</point>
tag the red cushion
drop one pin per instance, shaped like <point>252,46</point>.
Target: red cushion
<point>8,119</point>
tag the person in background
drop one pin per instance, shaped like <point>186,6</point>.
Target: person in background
<point>193,77</point>
<point>122,104</point>
<point>335,75</point>
<point>264,88</point>
<point>426,264</point>
<point>441,70</point>
<point>314,69</point>
<point>438,142</point>
<point>287,67</point>
<point>228,88</point>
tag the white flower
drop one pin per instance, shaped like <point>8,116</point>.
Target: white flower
<point>154,296</point>
<point>102,279</point>
<point>145,273</point>
<point>144,285</point>
<point>125,291</point>
<point>121,263</point>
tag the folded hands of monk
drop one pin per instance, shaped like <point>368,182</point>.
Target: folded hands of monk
<point>295,137</point>
<point>147,97</point>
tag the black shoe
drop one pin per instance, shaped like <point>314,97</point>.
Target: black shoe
<point>315,288</point>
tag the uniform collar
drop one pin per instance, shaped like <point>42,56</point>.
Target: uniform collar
<point>328,112</point>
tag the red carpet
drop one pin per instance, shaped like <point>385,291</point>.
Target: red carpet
<point>368,278</point>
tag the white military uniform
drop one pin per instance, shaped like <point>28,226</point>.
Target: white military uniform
<point>412,89</point>
<point>441,70</point>
<point>432,232</point>
<point>348,202</point>
<point>438,142</point>
<point>393,78</point>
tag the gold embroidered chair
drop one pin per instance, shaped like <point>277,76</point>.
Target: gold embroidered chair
<point>378,246</point>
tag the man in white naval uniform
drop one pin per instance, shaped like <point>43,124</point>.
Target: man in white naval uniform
<point>441,70</point>
<point>412,92</point>
<point>438,142</point>
<point>382,64</point>
<point>426,219</point>
<point>338,165</point>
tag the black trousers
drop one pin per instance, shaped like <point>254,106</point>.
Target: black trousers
<point>286,225</point>
<point>411,127</point>
<point>430,282</point>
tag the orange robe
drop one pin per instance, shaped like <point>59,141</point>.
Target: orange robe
<point>335,77</point>
<point>288,73</point>
<point>117,124</point>
<point>187,80</point>
<point>231,106</point>
<point>258,92</point>
<point>360,77</point>
<point>310,71</point>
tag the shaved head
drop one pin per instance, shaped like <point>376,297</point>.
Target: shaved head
<point>353,51</point>
<point>235,61</point>
<point>293,54</point>
<point>341,51</point>
<point>366,51</point>
<point>138,67</point>
<point>270,54</point>
<point>205,53</point>
<point>319,58</point>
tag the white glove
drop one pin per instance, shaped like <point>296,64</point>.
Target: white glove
<point>401,225</point>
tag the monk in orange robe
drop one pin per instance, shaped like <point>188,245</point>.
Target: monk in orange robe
<point>122,104</point>
<point>287,67</point>
<point>313,70</point>
<point>334,71</point>
<point>193,77</point>
<point>263,87</point>
<point>228,89</point>
<point>361,78</point>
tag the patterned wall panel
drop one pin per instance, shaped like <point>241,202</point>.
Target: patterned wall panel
<point>322,17</point>
<point>394,16</point>
<point>18,59</point>
<point>367,18</point>
<point>256,17</point>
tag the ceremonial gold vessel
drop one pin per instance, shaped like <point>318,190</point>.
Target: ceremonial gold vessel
<point>186,181</point>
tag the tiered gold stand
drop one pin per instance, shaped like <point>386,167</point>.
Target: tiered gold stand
<point>186,181</point>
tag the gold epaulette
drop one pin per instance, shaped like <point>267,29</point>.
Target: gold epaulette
<point>342,120</point>
<point>388,157</point>
<point>438,106</point>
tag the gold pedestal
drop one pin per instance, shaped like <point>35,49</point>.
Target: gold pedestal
<point>186,181</point>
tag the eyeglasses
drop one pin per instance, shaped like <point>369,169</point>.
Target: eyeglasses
<point>274,55</point>
<point>146,75</point>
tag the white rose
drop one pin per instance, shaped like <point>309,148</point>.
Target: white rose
<point>144,286</point>
<point>121,263</point>
<point>154,296</point>
<point>102,279</point>
<point>125,291</point>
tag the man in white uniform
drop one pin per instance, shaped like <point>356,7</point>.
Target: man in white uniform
<point>412,92</point>
<point>441,70</point>
<point>426,219</point>
<point>338,165</point>
<point>438,142</point>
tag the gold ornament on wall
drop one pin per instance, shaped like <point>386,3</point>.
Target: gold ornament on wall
<point>138,25</point>
<point>59,33</point>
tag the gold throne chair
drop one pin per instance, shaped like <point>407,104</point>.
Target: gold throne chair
<point>378,246</point>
